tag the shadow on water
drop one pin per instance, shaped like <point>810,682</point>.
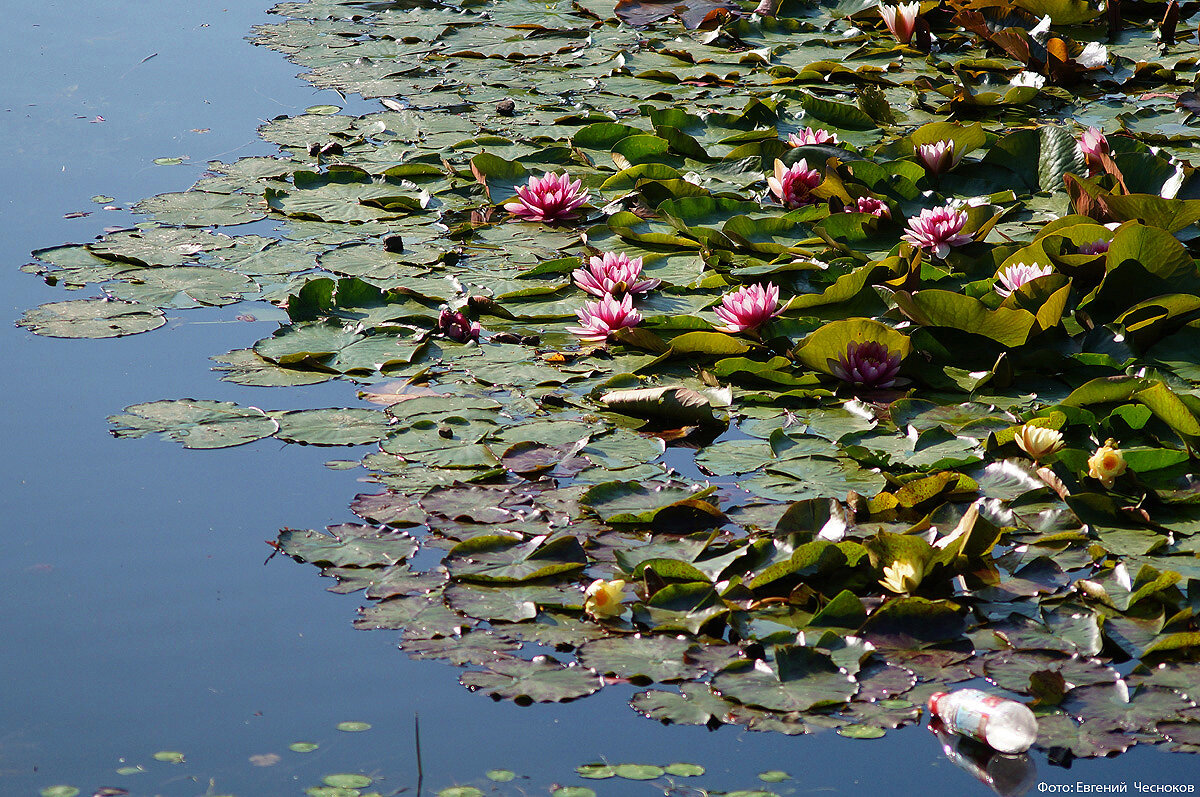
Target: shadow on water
<point>138,615</point>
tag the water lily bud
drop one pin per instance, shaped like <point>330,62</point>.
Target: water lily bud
<point>1107,463</point>
<point>1039,442</point>
<point>603,598</point>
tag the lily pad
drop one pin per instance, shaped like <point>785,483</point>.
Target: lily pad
<point>196,424</point>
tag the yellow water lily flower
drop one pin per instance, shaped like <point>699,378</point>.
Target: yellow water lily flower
<point>902,576</point>
<point>1039,442</point>
<point>1107,463</point>
<point>603,598</point>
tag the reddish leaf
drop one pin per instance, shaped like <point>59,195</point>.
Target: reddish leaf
<point>692,13</point>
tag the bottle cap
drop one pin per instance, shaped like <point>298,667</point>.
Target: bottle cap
<point>933,702</point>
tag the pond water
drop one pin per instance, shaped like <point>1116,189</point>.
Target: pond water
<point>139,616</point>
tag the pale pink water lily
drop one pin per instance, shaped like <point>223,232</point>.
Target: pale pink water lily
<point>615,273</point>
<point>938,229</point>
<point>748,308</point>
<point>551,197</point>
<point>456,326</point>
<point>939,156</point>
<point>1094,248</point>
<point>1016,275</point>
<point>869,204</point>
<point>900,19</point>
<point>809,136</point>
<point>867,364</point>
<point>599,319</point>
<point>792,186</point>
<point>1093,144</point>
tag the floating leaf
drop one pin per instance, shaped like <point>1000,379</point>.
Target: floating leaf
<point>347,781</point>
<point>92,318</point>
<point>196,424</point>
<point>798,680</point>
<point>537,681</point>
<point>332,427</point>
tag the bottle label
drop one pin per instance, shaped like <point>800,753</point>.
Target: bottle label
<point>971,714</point>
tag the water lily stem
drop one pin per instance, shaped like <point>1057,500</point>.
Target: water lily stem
<point>417,736</point>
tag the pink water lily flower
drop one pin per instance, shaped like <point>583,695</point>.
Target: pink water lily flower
<point>598,320</point>
<point>900,19</point>
<point>938,229</point>
<point>809,136</point>
<point>938,157</point>
<point>1094,248</point>
<point>614,273</point>
<point>867,364</point>
<point>456,326</point>
<point>549,198</point>
<point>869,204</point>
<point>1093,144</point>
<point>792,186</point>
<point>1016,275</point>
<point>748,308</point>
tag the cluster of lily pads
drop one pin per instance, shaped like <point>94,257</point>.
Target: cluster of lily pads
<point>909,396</point>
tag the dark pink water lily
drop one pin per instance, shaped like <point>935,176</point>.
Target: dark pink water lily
<point>1016,275</point>
<point>938,229</point>
<point>615,273</point>
<point>456,326</point>
<point>1093,144</point>
<point>748,308</point>
<point>1094,248</point>
<point>809,136</point>
<point>869,204</point>
<point>549,198</point>
<point>939,156</point>
<point>599,319</point>
<point>792,186</point>
<point>868,364</point>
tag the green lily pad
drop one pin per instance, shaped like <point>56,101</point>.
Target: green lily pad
<point>92,318</point>
<point>196,424</point>
<point>537,681</point>
<point>800,679</point>
<point>332,427</point>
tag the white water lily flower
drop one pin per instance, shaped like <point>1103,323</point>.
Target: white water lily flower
<point>1173,183</point>
<point>1094,55</point>
<point>1039,442</point>
<point>1027,78</point>
<point>902,576</point>
<point>1041,31</point>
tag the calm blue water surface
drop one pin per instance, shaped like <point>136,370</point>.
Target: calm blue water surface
<point>138,615</point>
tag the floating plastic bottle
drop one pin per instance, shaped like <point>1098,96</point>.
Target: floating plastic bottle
<point>1006,774</point>
<point>1000,723</point>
